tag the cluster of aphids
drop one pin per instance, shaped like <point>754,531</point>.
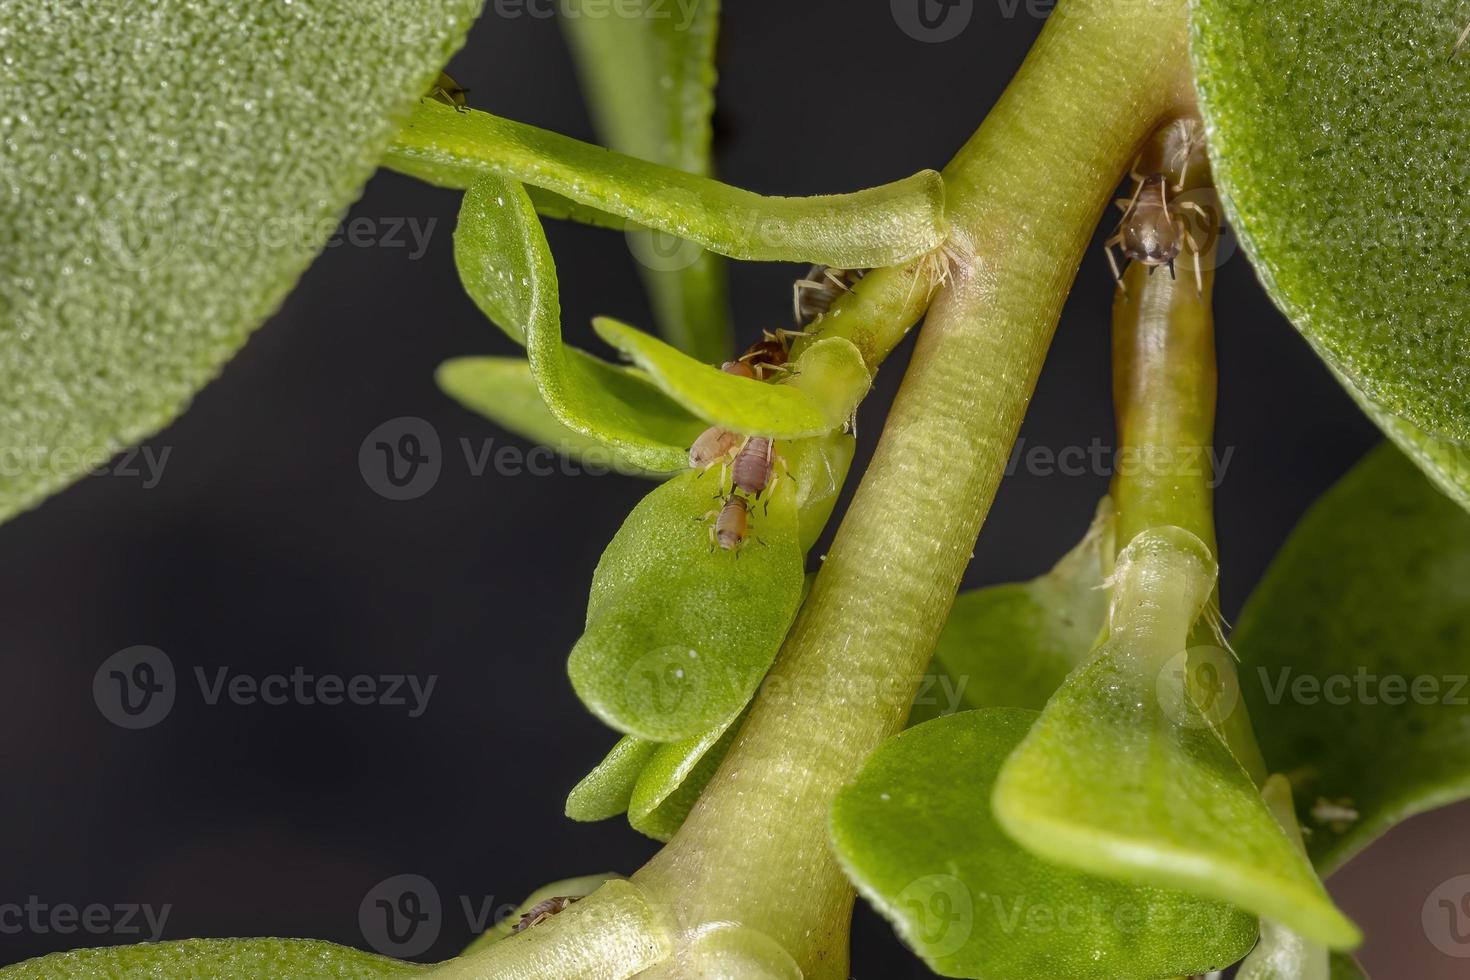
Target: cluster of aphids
<point>748,463</point>
<point>1155,227</point>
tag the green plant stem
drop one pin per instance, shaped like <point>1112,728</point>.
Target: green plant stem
<point>1024,195</point>
<point>1164,384</point>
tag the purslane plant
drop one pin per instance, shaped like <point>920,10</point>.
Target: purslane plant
<point>1118,763</point>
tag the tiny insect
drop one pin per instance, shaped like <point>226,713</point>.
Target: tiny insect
<point>1151,232</point>
<point>448,91</point>
<point>813,296</point>
<point>769,355</point>
<point>738,368</point>
<point>732,521</point>
<point>712,446</point>
<point>755,466</point>
<point>541,911</point>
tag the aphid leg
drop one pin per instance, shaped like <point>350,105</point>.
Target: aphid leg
<point>1126,206</point>
<point>1108,251</point>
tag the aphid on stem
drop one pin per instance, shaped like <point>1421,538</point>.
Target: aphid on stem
<point>767,356</point>
<point>712,446</point>
<point>1152,232</point>
<point>542,911</point>
<point>754,470</point>
<point>448,91</point>
<point>813,296</point>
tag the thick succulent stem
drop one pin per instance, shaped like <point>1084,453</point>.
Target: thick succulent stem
<point>1024,195</point>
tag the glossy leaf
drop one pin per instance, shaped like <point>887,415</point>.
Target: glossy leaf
<point>502,390</point>
<point>649,76</point>
<point>680,633</point>
<point>674,777</point>
<point>170,169</point>
<point>1012,645</point>
<point>506,267</point>
<point>1347,187</point>
<point>826,384</point>
<point>605,791</point>
<point>579,887</point>
<point>1124,775</point>
<point>876,227</point>
<point>1353,657</point>
<point>1444,462</point>
<point>238,959</point>
<point>914,832</point>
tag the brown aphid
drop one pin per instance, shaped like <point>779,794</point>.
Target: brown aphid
<point>448,91</point>
<point>813,296</point>
<point>754,466</point>
<point>711,446</point>
<point>738,368</point>
<point>1153,232</point>
<point>766,357</point>
<point>542,911</point>
<point>731,523</point>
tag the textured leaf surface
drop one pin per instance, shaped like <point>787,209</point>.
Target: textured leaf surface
<point>649,77</point>
<point>167,170</point>
<point>1340,134</point>
<point>1124,775</point>
<point>915,833</point>
<point>238,959</point>
<point>673,779</point>
<point>880,226</point>
<point>679,634</point>
<point>827,382</point>
<point>506,267</point>
<point>502,390</point>
<point>1012,645</point>
<point>605,791</point>
<point>1354,650</point>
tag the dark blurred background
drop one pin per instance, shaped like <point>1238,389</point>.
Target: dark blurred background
<point>256,544</point>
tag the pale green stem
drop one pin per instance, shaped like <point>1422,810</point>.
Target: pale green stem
<point>1023,195</point>
<point>611,934</point>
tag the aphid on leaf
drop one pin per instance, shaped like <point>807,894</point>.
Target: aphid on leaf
<point>738,368</point>
<point>448,91</point>
<point>755,466</point>
<point>1152,231</point>
<point>540,912</point>
<point>712,446</point>
<point>769,355</point>
<point>732,522</point>
<point>813,296</point>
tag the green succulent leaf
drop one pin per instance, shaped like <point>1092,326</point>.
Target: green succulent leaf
<point>924,848</point>
<point>579,887</point>
<point>825,386</point>
<point>605,791</point>
<point>238,959</point>
<point>649,77</point>
<point>503,390</point>
<point>1340,136</point>
<point>1013,645</point>
<point>157,212</point>
<point>880,226</point>
<point>1125,775</point>
<point>506,267</point>
<point>680,633</point>
<point>1353,657</point>
<point>1446,463</point>
<point>673,779</point>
